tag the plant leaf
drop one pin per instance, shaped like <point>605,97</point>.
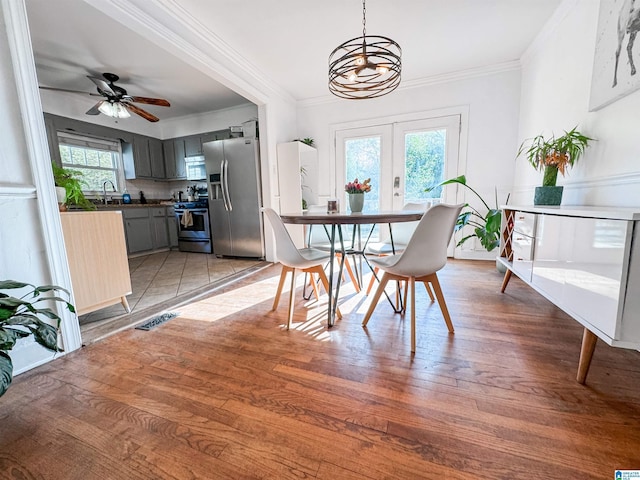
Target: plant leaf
<point>46,335</point>
<point>9,336</point>
<point>8,284</point>
<point>50,288</point>
<point>6,372</point>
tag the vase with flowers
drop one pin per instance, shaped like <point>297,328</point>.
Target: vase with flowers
<point>356,191</point>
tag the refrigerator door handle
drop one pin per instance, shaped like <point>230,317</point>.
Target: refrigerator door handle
<point>224,196</point>
<point>226,185</point>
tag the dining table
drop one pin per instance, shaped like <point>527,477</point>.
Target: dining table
<point>334,221</point>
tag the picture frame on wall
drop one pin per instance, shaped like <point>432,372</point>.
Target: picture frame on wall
<point>617,57</point>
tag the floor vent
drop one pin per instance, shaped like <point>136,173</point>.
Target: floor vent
<point>155,321</point>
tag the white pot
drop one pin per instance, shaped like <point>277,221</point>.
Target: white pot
<point>61,194</point>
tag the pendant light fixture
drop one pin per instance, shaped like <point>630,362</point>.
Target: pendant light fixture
<point>366,66</point>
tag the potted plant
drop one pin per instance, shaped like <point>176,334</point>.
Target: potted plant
<point>486,226</point>
<point>553,155</point>
<point>21,317</point>
<point>71,181</point>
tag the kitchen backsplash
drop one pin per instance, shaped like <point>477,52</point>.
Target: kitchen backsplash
<point>159,190</point>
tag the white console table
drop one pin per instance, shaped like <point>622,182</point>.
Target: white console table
<point>585,260</point>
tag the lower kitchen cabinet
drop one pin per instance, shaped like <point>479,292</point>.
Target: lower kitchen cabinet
<point>150,228</point>
<point>159,223</point>
<point>172,227</point>
<point>137,226</point>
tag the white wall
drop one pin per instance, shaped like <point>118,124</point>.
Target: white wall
<point>208,122</point>
<point>30,233</point>
<point>492,101</point>
<point>556,82</point>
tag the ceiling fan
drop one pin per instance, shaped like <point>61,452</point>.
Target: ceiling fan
<point>117,102</point>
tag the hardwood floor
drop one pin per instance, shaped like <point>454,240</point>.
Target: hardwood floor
<point>224,391</point>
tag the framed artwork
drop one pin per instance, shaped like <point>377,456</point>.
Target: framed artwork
<point>616,56</point>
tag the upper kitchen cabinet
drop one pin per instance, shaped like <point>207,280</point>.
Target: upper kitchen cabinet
<point>174,159</point>
<point>52,139</point>
<point>192,146</point>
<point>156,156</point>
<point>143,158</point>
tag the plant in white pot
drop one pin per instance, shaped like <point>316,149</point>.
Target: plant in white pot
<point>71,182</point>
<point>553,155</point>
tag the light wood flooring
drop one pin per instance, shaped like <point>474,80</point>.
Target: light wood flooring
<point>162,282</point>
<point>226,392</point>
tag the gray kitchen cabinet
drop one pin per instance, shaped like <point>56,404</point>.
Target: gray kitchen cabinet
<point>159,225</point>
<point>209,137</point>
<point>172,227</point>
<point>137,227</point>
<point>192,145</point>
<point>169,153</point>
<point>136,158</point>
<point>156,156</point>
<point>174,159</point>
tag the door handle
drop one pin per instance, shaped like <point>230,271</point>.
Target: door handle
<point>222,185</point>
<point>226,184</point>
<point>396,182</point>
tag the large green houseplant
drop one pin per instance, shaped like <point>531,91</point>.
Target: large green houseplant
<point>552,156</point>
<point>71,181</point>
<point>22,316</point>
<point>486,227</point>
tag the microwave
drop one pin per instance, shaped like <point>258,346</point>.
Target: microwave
<point>195,168</point>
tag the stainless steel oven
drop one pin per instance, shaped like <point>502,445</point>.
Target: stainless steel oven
<point>194,230</point>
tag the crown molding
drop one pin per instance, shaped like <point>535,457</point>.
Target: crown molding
<point>429,81</point>
<point>170,26</point>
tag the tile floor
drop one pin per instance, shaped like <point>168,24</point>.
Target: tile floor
<point>159,278</point>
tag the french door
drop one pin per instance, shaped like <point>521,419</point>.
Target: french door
<point>402,159</point>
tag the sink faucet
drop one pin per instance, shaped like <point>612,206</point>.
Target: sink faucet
<point>104,190</point>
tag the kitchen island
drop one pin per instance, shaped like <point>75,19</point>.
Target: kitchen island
<point>97,256</point>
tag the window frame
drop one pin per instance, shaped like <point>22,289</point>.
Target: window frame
<point>114,146</point>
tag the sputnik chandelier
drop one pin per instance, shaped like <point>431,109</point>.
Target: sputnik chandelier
<point>365,67</point>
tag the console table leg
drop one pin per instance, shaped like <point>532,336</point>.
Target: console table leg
<point>586,353</point>
<point>507,277</point>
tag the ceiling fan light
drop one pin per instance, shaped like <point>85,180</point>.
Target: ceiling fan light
<point>116,110</point>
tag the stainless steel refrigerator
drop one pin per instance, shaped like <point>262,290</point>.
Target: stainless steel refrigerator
<point>233,178</point>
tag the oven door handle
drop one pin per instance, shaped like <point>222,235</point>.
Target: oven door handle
<point>225,193</point>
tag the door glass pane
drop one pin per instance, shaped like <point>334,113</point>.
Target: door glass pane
<point>424,164</point>
<point>362,161</point>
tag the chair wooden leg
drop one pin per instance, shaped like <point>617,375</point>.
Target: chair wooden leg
<point>292,295</point>
<point>314,286</point>
<point>373,279</point>
<point>325,283</point>
<point>353,278</point>
<point>429,292</point>
<point>433,279</point>
<point>412,281</point>
<point>283,275</point>
<point>376,297</point>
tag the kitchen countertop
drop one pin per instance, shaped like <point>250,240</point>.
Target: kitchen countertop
<point>120,206</point>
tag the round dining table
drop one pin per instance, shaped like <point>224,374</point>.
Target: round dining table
<point>335,219</point>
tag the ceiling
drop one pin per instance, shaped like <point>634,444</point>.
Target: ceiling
<point>288,41</point>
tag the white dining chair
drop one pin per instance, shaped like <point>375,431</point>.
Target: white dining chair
<point>293,259</point>
<point>401,234</point>
<point>424,255</point>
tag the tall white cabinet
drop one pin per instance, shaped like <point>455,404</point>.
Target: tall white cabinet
<point>297,180</point>
<point>585,260</point>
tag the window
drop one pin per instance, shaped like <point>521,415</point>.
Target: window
<point>98,159</point>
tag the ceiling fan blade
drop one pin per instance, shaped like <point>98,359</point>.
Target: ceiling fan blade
<point>137,110</point>
<point>161,102</point>
<point>94,110</point>
<point>102,85</point>
<point>69,91</point>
